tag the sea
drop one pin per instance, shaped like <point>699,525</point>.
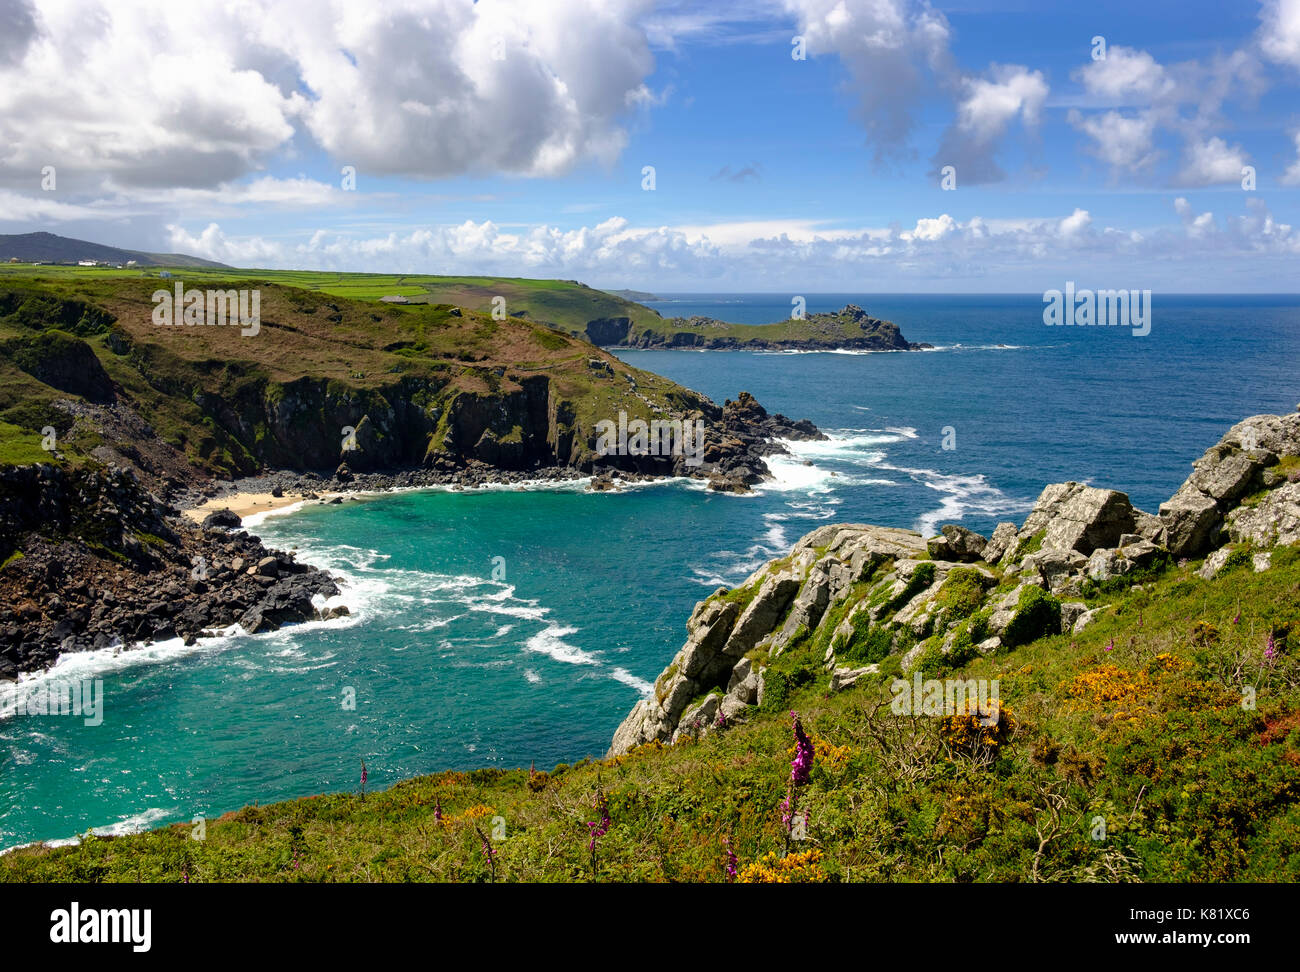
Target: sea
<point>516,626</point>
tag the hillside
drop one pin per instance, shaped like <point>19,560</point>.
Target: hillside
<point>84,357</point>
<point>851,328</point>
<point>49,248</point>
<point>1147,725</point>
<point>603,318</point>
<point>110,421</point>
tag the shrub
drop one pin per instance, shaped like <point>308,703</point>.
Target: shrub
<point>1037,614</point>
<point>961,594</point>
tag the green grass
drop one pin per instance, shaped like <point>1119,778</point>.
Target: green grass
<point>1152,738</point>
<point>21,447</point>
<point>342,357</point>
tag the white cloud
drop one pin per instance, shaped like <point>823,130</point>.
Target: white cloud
<point>1291,177</point>
<point>154,93</point>
<point>1121,141</point>
<point>991,105</point>
<point>1075,224</point>
<point>1126,77</point>
<point>1279,35</point>
<point>783,254</point>
<point>987,108</point>
<point>891,48</point>
<point>1212,162</point>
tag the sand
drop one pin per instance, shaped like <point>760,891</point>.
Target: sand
<point>245,504</point>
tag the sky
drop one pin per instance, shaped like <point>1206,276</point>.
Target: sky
<point>801,146</point>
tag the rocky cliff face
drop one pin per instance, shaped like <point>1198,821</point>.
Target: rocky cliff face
<point>864,597</point>
<point>851,327</point>
<point>93,560</point>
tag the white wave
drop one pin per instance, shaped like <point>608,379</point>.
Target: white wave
<point>627,678</point>
<point>550,642</point>
<point>962,494</point>
<point>254,520</point>
<point>133,824</point>
<point>977,347</point>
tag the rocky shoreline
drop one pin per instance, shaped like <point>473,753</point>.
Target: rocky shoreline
<point>102,562</point>
<point>866,600</point>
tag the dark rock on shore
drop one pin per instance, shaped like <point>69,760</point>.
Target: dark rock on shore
<point>104,564</point>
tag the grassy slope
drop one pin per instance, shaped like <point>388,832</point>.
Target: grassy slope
<point>1150,735</point>
<point>561,303</point>
<point>564,304</point>
<point>354,342</point>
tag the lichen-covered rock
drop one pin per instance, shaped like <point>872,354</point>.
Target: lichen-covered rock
<point>1003,542</point>
<point>956,543</point>
<point>1055,566</point>
<point>1215,563</point>
<point>1073,516</point>
<point>843,678</point>
<point>1238,464</point>
<point>1191,520</point>
<point>1274,520</point>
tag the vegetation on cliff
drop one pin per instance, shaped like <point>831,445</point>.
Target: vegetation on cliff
<point>1127,755</point>
<point>81,356</point>
<point>602,317</point>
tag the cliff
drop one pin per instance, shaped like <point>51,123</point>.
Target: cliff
<point>850,328</point>
<point>328,380</point>
<point>862,600</point>
<point>1146,726</point>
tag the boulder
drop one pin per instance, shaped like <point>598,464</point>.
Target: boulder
<point>1224,474</point>
<point>1051,563</point>
<point>1274,520</point>
<point>1214,563</point>
<point>1071,611</point>
<point>1083,620</point>
<point>1077,517</point>
<point>223,518</point>
<point>1003,542</point>
<point>843,678</point>
<point>956,543</point>
<point>1191,519</point>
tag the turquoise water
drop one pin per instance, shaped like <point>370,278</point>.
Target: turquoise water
<point>451,667</point>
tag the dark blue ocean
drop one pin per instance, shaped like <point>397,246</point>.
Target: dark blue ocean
<point>452,666</point>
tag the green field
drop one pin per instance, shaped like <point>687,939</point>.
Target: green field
<point>567,305</point>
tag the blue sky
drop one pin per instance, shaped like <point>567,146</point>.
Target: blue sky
<point>510,138</point>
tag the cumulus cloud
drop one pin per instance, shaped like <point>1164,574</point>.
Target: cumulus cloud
<point>891,48</point>
<point>1212,162</point>
<point>1121,141</point>
<point>1126,77</point>
<point>1291,177</point>
<point>986,110</point>
<point>1279,34</point>
<point>1184,99</point>
<point>152,93</point>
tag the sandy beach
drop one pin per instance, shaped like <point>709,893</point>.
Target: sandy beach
<point>246,504</point>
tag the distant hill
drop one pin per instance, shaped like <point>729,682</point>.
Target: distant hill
<point>639,296</point>
<point>51,248</point>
